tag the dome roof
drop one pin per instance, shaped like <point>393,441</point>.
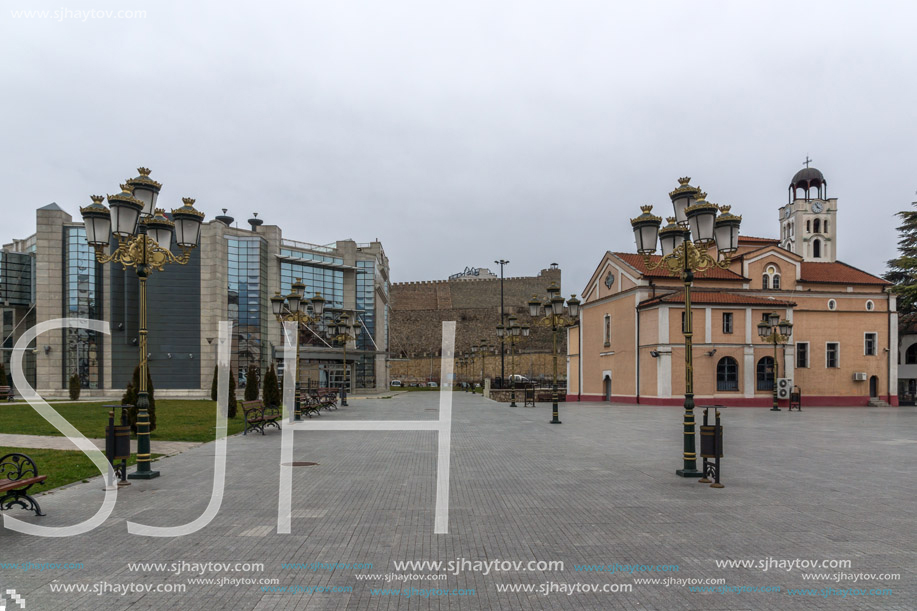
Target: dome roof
<point>808,177</point>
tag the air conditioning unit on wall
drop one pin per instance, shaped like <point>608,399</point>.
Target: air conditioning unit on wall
<point>784,386</point>
<point>859,376</point>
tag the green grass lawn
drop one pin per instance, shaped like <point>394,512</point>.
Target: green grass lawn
<point>176,419</point>
<point>61,466</point>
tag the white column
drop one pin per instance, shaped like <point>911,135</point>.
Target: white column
<point>664,325</point>
<point>892,346</point>
<point>664,374</point>
<point>749,367</point>
<point>708,318</point>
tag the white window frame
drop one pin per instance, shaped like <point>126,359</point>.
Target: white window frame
<point>870,305</point>
<point>832,304</point>
<point>875,343</point>
<point>838,355</point>
<point>732,323</point>
<point>808,356</point>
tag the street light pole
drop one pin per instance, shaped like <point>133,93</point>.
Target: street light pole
<point>553,311</point>
<point>343,330</point>
<point>144,236</point>
<point>501,263</point>
<point>292,308</point>
<point>685,241</point>
<point>775,331</point>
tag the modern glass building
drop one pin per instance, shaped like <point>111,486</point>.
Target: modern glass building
<point>231,276</point>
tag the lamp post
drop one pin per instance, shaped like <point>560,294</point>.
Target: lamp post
<point>144,236</point>
<point>342,329</point>
<point>775,331</point>
<point>293,308</point>
<point>557,315</point>
<point>686,242</point>
<point>501,263</point>
<point>471,369</point>
<point>483,349</point>
<point>513,331</point>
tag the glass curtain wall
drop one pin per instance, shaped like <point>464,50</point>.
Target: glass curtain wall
<point>82,294</point>
<point>247,264</point>
<point>366,311</point>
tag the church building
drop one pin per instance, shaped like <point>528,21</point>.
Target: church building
<point>628,346</point>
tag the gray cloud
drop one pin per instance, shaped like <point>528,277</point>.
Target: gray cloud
<point>458,133</point>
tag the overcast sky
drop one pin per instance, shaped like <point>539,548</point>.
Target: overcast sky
<point>462,132</point>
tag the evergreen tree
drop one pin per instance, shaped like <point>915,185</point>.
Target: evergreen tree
<point>74,387</point>
<point>215,386</point>
<point>902,271</point>
<point>251,383</point>
<point>270,395</point>
<point>130,398</point>
<point>231,412</point>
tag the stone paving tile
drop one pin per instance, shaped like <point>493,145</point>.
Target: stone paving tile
<point>599,489</point>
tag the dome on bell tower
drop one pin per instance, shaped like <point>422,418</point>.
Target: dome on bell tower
<point>806,179</point>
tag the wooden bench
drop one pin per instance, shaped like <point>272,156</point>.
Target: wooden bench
<point>6,393</point>
<point>18,473</point>
<point>257,416</point>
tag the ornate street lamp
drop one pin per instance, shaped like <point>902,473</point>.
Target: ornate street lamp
<point>293,308</point>
<point>144,235</point>
<point>557,315</point>
<point>342,329</point>
<point>686,242</point>
<point>513,331</point>
<point>777,332</point>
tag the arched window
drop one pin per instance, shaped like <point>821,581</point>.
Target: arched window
<point>825,226</point>
<point>727,374</point>
<point>910,356</point>
<point>771,277</point>
<point>817,225</point>
<point>765,374</point>
<point>816,249</point>
<point>808,226</point>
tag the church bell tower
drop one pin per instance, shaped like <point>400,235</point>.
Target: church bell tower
<point>808,222</point>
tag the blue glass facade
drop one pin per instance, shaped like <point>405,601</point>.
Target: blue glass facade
<point>327,281</point>
<point>82,294</point>
<point>366,311</point>
<point>247,299</point>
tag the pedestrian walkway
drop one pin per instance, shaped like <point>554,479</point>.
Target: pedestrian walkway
<point>584,515</point>
<point>49,442</point>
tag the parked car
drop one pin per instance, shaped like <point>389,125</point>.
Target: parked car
<point>518,378</point>
<point>396,383</point>
<point>432,385</point>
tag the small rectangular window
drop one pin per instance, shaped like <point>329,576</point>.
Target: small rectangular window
<point>607,334</point>
<point>727,322</point>
<point>831,355</point>
<point>802,354</point>
<point>869,345</point>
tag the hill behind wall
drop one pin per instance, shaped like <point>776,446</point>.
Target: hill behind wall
<point>419,308</point>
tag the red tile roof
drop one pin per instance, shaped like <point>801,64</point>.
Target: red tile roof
<point>837,273</point>
<point>636,261</point>
<point>748,239</point>
<point>717,298</point>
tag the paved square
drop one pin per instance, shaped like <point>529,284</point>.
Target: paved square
<point>831,485</point>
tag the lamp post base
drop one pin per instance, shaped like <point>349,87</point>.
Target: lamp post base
<point>143,475</point>
<point>688,473</point>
